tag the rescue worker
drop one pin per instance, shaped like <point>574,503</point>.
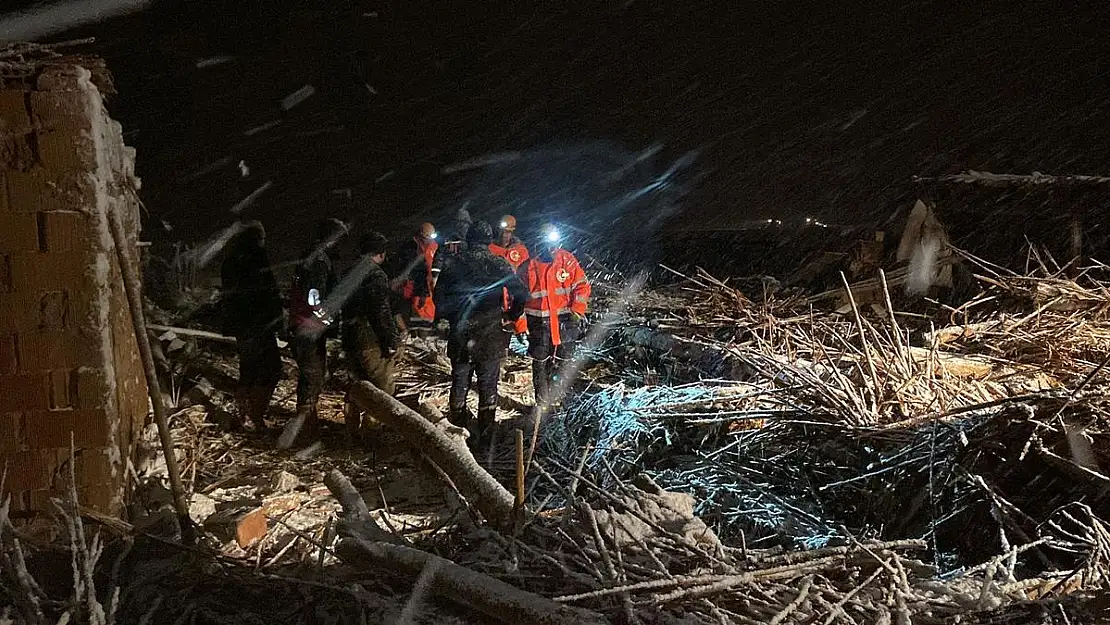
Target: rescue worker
<point>413,280</point>
<point>469,296</point>
<point>453,244</point>
<point>510,248</point>
<point>370,333</point>
<point>310,324</point>
<point>252,314</point>
<point>556,311</point>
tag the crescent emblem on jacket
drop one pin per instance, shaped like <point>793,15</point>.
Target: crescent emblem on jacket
<point>562,275</point>
<point>514,255</point>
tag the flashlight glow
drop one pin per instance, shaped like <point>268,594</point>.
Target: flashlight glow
<point>434,235</point>
<point>552,235</point>
<point>504,224</point>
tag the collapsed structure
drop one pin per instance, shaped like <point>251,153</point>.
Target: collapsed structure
<point>71,383</point>
<point>734,455</point>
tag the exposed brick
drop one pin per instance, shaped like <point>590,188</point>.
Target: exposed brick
<point>48,310</point>
<point>30,470</point>
<point>9,360</point>
<point>14,119</point>
<point>26,391</point>
<point>243,525</point>
<point>63,389</point>
<point>38,189</point>
<point>6,273</point>
<point>94,467</point>
<point>91,388</point>
<point>17,151</point>
<point>10,425</point>
<point>102,498</point>
<point>63,110</point>
<point>67,149</point>
<point>41,350</point>
<point>27,190</point>
<point>18,312</point>
<point>49,429</point>
<point>21,501</point>
<point>54,311</point>
<point>64,231</point>
<point>39,500</point>
<point>19,232</point>
<point>36,272</point>
<point>64,78</point>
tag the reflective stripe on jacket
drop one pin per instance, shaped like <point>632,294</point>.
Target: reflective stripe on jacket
<point>556,288</point>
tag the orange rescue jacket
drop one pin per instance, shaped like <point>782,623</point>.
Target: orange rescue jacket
<point>515,254</point>
<point>423,306</point>
<point>557,288</point>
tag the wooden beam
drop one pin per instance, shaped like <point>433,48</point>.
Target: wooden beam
<point>989,179</point>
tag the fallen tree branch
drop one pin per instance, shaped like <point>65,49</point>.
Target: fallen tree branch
<point>356,519</point>
<point>460,585</point>
<point>455,583</point>
<point>492,499</point>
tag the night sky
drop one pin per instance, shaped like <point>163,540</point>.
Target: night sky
<point>732,111</point>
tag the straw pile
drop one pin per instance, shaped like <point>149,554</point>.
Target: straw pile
<point>736,456</point>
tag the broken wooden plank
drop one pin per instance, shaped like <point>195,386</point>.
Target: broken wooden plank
<point>200,334</point>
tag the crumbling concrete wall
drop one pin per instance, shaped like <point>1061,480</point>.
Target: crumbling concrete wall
<point>69,363</point>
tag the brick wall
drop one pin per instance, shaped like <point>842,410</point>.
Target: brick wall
<point>69,364</point>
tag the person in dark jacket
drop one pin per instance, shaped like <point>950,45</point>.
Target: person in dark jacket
<point>252,314</point>
<point>310,324</point>
<point>370,333</point>
<point>453,244</point>
<point>470,296</point>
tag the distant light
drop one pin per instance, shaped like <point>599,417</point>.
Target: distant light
<point>770,221</point>
<point>809,220</point>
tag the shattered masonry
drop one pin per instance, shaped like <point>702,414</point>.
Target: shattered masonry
<point>69,363</point>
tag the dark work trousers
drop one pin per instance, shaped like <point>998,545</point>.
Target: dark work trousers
<point>259,372</point>
<point>310,350</point>
<point>461,373</point>
<point>546,365</point>
<point>259,359</point>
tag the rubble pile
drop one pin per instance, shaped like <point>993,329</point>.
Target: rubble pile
<point>731,455</point>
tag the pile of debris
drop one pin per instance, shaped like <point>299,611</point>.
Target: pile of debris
<point>731,457</point>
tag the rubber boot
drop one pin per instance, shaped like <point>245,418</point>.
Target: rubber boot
<point>312,432</point>
<point>482,432</point>
<point>259,405</point>
<point>460,416</point>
